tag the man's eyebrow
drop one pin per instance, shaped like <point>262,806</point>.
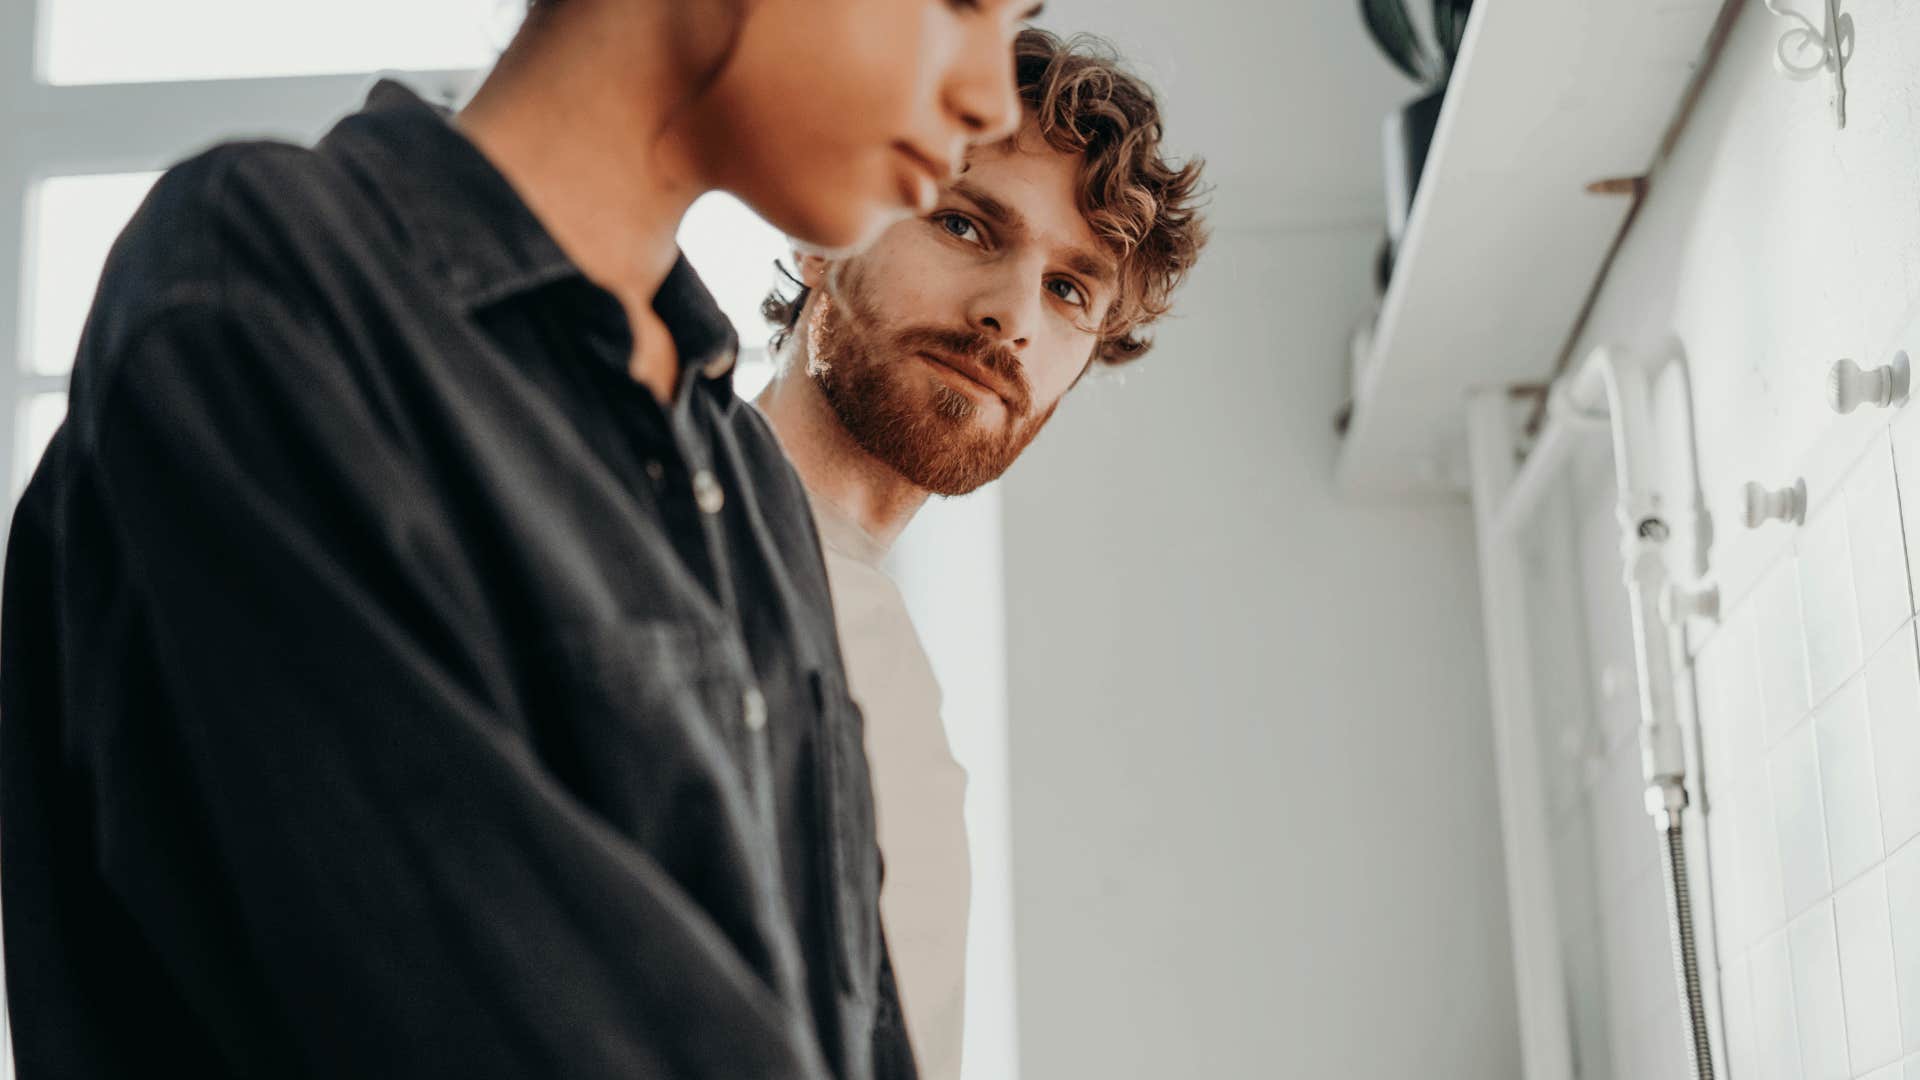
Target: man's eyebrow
<point>1078,259</point>
<point>1084,262</point>
<point>1003,215</point>
<point>1033,13</point>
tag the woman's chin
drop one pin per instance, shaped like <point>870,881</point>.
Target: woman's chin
<point>843,229</point>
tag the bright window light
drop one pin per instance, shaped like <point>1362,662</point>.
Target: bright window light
<point>735,250</point>
<point>114,41</point>
<point>76,218</point>
<point>74,222</point>
<point>38,417</point>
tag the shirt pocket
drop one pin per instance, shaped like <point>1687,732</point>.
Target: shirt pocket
<point>850,852</point>
<point>642,720</point>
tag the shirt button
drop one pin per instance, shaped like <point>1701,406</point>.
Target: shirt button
<point>657,473</point>
<point>754,709</point>
<point>707,494</point>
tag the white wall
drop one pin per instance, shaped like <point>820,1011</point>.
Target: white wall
<point>950,570</point>
<point>1283,98</point>
<point>1254,820</point>
<point>1772,243</point>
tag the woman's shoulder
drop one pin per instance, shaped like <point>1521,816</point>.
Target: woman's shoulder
<point>237,211</point>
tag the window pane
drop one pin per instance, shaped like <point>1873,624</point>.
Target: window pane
<point>104,41</point>
<point>76,218</point>
<point>753,373</point>
<point>74,221</point>
<point>734,250</point>
<point>36,421</point>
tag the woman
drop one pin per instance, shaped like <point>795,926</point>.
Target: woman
<point>414,659</point>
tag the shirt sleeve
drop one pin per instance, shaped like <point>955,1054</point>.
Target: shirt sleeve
<point>413,892</point>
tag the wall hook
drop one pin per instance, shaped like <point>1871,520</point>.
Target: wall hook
<point>1805,50</point>
<point>1849,386</point>
<point>1781,504</point>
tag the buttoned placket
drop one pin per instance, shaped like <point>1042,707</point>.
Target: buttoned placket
<point>684,475</point>
<point>703,487</point>
<point>710,500</point>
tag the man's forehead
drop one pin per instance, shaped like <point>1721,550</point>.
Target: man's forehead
<point>1026,146</point>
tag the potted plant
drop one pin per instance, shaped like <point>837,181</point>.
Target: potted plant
<point>1426,55</point>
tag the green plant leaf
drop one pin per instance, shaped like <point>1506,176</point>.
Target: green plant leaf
<point>1450,29</point>
<point>1393,31</point>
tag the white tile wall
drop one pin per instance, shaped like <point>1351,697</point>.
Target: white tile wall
<point>1815,953</point>
<point>1736,1004</point>
<point>1879,555</point>
<point>1729,676</point>
<point>1736,999</point>
<point>1809,712</point>
<point>1905,434</point>
<point>1782,650</point>
<point>1777,1029</point>
<point>1725,863</point>
<point>1866,971</point>
<point>1793,770</point>
<point>1847,784</point>
<point>1903,908</point>
<point>1758,894</point>
<point>1893,706</point>
<point>1772,243</point>
<point>1827,601</point>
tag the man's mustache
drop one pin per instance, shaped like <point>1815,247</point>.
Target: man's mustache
<point>977,348</point>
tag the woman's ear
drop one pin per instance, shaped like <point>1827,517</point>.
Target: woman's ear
<point>813,269</point>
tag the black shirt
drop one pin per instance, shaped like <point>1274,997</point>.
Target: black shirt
<point>394,686</point>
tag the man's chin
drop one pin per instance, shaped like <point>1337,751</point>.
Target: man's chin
<point>949,472</point>
<point>932,435</point>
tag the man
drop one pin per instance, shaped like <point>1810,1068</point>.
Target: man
<point>415,660</point>
<point>923,366</point>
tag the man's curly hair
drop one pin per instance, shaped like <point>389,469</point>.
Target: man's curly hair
<point>1145,208</point>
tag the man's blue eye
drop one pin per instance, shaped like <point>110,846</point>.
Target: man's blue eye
<point>955,225</point>
<point>1073,294</point>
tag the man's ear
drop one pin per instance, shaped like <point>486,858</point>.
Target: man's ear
<point>813,269</point>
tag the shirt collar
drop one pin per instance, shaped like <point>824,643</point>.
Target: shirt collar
<point>470,228</point>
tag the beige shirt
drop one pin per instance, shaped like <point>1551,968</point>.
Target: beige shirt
<point>919,792</point>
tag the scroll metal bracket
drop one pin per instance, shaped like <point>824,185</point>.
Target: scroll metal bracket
<point>1806,51</point>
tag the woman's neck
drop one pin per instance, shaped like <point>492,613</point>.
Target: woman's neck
<point>588,151</point>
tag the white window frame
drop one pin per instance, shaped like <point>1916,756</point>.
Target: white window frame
<point>51,131</point>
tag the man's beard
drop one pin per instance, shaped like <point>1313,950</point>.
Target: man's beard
<point>872,380</point>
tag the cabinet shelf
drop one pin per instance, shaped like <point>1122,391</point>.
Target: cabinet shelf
<point>1505,241</point>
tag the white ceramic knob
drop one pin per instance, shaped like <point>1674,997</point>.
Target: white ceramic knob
<point>1679,603</point>
<point>1780,504</point>
<point>1849,386</point>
